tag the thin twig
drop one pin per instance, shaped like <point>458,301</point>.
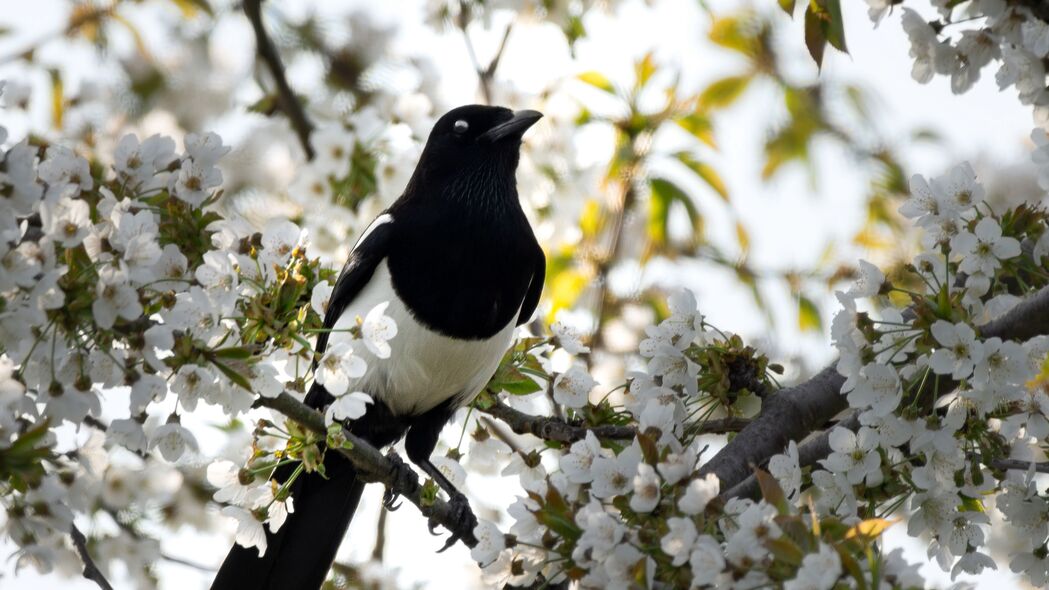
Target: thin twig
<point>498,432</point>
<point>187,563</point>
<point>485,75</point>
<point>135,534</point>
<point>91,571</point>
<point>289,103</point>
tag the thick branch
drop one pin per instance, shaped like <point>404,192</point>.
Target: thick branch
<point>553,429</point>
<point>91,571</point>
<point>794,412</point>
<point>790,414</point>
<point>809,453</point>
<point>372,466</point>
<point>289,103</point>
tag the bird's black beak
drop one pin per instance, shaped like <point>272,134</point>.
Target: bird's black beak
<point>514,128</point>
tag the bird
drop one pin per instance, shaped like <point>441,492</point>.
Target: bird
<point>459,267</point>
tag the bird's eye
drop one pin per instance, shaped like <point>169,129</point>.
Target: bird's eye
<point>460,126</point>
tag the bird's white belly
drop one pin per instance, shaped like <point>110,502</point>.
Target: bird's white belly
<point>425,368</point>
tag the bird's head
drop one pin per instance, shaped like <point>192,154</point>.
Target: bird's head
<point>475,142</point>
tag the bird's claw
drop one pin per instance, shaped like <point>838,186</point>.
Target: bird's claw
<point>403,478</point>
<point>389,500</point>
<point>461,514</point>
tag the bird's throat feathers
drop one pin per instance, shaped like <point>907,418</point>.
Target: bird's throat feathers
<point>479,183</point>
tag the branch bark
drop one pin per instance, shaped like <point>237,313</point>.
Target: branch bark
<point>289,103</point>
<point>372,466</point>
<point>793,413</point>
<point>91,571</point>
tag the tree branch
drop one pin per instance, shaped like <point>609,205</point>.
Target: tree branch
<point>1017,465</point>
<point>794,412</point>
<point>485,75</point>
<point>91,571</point>
<point>289,103</point>
<point>371,465</point>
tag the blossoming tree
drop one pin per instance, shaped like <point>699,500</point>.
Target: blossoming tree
<point>145,282</point>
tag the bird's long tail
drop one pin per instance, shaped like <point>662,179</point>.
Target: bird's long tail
<point>300,553</point>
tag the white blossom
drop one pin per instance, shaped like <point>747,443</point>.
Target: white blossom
<point>959,349</point>
<point>338,366</point>
<point>679,540</point>
<point>349,406</point>
<point>249,529</point>
<point>377,329</point>
<point>984,250</point>
<point>646,489</point>
<point>115,298</point>
<point>818,571</point>
<point>572,388</point>
<point>699,493</point>
<point>172,440</point>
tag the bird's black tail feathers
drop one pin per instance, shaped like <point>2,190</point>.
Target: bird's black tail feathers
<point>299,555</point>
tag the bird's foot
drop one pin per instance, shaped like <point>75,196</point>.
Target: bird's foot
<point>461,514</point>
<point>404,478</point>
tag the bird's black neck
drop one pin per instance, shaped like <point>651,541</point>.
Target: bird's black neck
<point>463,254</point>
<point>484,188</point>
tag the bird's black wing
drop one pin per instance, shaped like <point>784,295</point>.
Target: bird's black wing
<point>535,286</point>
<point>366,255</point>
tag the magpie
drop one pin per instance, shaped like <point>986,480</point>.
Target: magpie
<point>459,266</point>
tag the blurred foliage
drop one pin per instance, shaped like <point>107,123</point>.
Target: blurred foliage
<point>578,275</point>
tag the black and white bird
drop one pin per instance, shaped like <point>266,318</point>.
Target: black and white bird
<point>458,263</point>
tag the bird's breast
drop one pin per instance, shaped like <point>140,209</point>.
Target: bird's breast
<point>425,367</point>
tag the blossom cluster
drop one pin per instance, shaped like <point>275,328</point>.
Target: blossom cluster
<point>637,512</point>
<point>128,300</point>
<point>972,35</point>
<point>942,415</point>
<point>938,401</point>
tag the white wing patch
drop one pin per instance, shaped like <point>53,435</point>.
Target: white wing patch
<point>384,218</point>
<point>425,368</point>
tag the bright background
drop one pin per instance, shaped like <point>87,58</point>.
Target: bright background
<point>790,220</point>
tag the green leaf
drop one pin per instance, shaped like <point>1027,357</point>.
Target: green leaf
<point>706,173</point>
<point>771,491</point>
<point>232,375</point>
<point>850,565</point>
<point>190,8</point>
<point>267,105</point>
<point>644,68</point>
<point>834,27</point>
<point>597,80</point>
<point>664,195</point>
<point>659,209</point>
<point>510,379</point>
<point>808,315</point>
<point>871,528</point>
<point>723,92</point>
<point>699,126</point>
<point>238,353</point>
<point>735,33</point>
<point>787,6</point>
<point>815,39</point>
<point>785,550</point>
<point>742,236</point>
<point>58,101</point>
